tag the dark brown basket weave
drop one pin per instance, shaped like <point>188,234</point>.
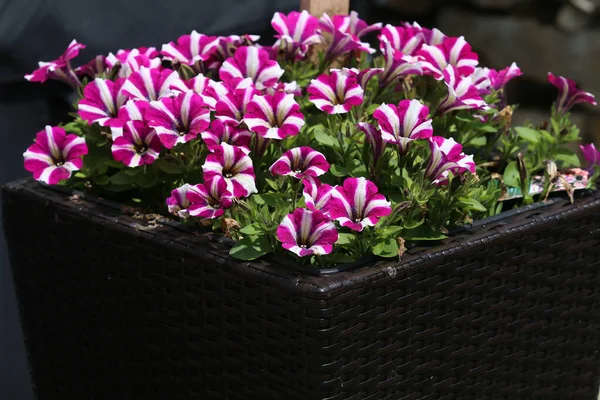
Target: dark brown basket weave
<point>115,309</point>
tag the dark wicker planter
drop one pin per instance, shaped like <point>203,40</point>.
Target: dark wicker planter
<point>114,309</point>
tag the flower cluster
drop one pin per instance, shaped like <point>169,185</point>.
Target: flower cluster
<point>316,147</point>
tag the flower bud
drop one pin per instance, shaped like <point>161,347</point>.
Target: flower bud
<point>522,167</point>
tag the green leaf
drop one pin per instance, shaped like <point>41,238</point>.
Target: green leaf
<point>168,167</point>
<point>338,170</point>
<point>567,157</point>
<point>123,177</point>
<point>250,248</point>
<point>386,247</point>
<point>572,135</point>
<point>511,175</point>
<point>478,141</point>
<point>323,138</point>
<point>547,136</point>
<point>413,224</point>
<point>252,229</point>
<point>371,109</point>
<point>392,231</point>
<point>340,258</point>
<point>344,239</point>
<point>531,135</point>
<point>472,204</point>
<point>423,232</point>
<point>269,199</point>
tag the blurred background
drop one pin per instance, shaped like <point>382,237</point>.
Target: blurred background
<point>562,36</point>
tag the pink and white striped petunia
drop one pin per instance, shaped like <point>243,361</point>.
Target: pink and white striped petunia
<point>568,94</point>
<point>210,91</point>
<point>150,84</point>
<point>274,117</point>
<point>226,47</point>
<point>374,137</point>
<point>352,24</point>
<point>357,204</point>
<point>452,51</point>
<point>93,68</point>
<point>178,119</point>
<point>316,194</point>
<point>402,124</point>
<point>295,31</point>
<point>225,133</point>
<point>406,39</point>
<point>101,101</point>
<point>366,75</point>
<point>481,79</point>
<point>340,38</point>
<point>307,233</point>
<point>499,79</point>
<point>132,60</point>
<point>192,50</point>
<point>432,36</point>
<point>178,203</point>
<point>447,156</point>
<point>254,63</point>
<point>133,110</point>
<point>231,107</point>
<point>336,93</point>
<point>462,95</point>
<point>397,65</point>
<point>137,144</point>
<point>59,69</point>
<point>233,164</point>
<point>591,155</point>
<point>300,162</point>
<point>209,199</point>
<point>54,155</point>
<point>285,87</point>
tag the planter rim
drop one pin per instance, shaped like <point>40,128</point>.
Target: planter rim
<point>321,283</point>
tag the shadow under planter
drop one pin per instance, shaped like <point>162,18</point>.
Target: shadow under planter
<point>116,308</point>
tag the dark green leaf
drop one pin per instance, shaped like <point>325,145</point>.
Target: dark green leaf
<point>423,232</point>
<point>385,247</point>
<point>123,178</point>
<point>250,248</point>
<point>168,167</point>
<point>344,239</point>
<point>472,204</point>
<point>269,199</point>
<point>252,229</point>
<point>338,170</point>
<point>567,157</point>
<point>325,139</point>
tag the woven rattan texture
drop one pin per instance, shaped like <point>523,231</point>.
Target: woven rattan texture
<point>114,309</point>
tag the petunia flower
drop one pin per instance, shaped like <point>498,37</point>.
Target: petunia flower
<point>432,36</point>
<point>447,156</point>
<point>54,155</point>
<point>93,68</point>
<point>138,144</point>
<point>300,162</point>
<point>591,155</point>
<point>374,137</point>
<point>397,65</point>
<point>363,77</point>
<point>225,133</point>
<point>133,60</point>
<point>295,32</point>
<point>452,51</point>
<point>285,87</point>
<point>150,84</point>
<point>274,117</point>
<point>357,204</point>
<point>339,37</point>
<point>209,199</point>
<point>316,194</point>
<point>462,95</point>
<point>132,110</point>
<point>307,233</point>
<point>210,91</point>
<point>499,79</point>
<point>254,63</point>
<point>231,107</point>
<point>402,124</point>
<point>59,69</point>
<point>353,25</point>
<point>178,119</point>
<point>178,203</point>
<point>406,39</point>
<point>568,94</point>
<point>101,101</point>
<point>233,164</point>
<point>192,50</point>
<point>481,79</point>
<point>336,93</point>
<point>226,48</point>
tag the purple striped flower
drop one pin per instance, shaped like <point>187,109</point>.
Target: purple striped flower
<point>254,63</point>
<point>295,31</point>
<point>178,203</point>
<point>150,84</point>
<point>133,110</point>
<point>137,145</point>
<point>363,77</point>
<point>210,91</point>
<point>231,107</point>
<point>178,119</point>
<point>568,94</point>
<point>93,68</point>
<point>406,39</point>
<point>352,24</point>
<point>447,156</point>
<point>226,47</point>
<point>59,69</point>
<point>357,204</point>
<point>285,87</point>
<point>316,194</point>
<point>340,36</point>
<point>274,117</point>
<point>432,36</point>
<point>397,65</point>
<point>307,233</point>
<point>209,199</point>
<point>402,124</point>
<point>101,101</point>
<point>591,155</point>
<point>462,95</point>
<point>225,133</point>
<point>374,137</point>
<point>233,164</point>
<point>300,162</point>
<point>336,93</point>
<point>452,51</point>
<point>499,79</point>
<point>54,155</point>
<point>192,50</point>
<point>481,79</point>
<point>133,60</point>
